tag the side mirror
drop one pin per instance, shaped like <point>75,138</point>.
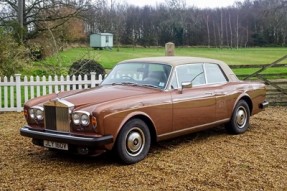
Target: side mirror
<point>185,85</point>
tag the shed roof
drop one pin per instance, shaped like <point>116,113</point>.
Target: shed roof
<point>106,34</point>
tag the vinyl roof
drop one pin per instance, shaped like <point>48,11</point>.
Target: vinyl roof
<point>175,60</point>
<point>181,60</point>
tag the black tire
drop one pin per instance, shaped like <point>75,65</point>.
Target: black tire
<point>239,121</point>
<point>133,142</point>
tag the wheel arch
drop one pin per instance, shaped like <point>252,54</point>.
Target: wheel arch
<point>145,118</point>
<point>248,100</point>
<point>239,121</point>
<point>149,124</point>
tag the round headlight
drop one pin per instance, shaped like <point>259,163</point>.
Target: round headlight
<point>85,119</point>
<point>39,114</point>
<point>32,113</point>
<point>76,118</point>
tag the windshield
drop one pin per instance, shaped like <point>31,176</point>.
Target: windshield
<point>142,74</point>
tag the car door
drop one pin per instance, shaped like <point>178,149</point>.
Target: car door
<point>195,106</point>
<point>223,95</point>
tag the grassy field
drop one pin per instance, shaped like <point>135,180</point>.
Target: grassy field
<point>108,58</point>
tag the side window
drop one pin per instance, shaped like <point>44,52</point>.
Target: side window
<point>191,73</point>
<point>214,74</point>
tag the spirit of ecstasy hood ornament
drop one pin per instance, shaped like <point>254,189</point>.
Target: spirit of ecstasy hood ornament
<point>57,94</point>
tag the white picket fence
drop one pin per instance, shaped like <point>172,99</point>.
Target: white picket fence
<point>14,92</point>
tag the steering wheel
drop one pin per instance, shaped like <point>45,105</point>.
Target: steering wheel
<point>127,77</point>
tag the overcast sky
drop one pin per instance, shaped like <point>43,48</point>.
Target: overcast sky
<point>196,3</point>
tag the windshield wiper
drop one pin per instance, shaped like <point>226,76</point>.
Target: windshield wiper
<point>134,84</point>
<point>126,83</point>
<point>150,85</point>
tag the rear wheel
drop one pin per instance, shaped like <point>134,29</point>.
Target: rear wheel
<point>133,141</point>
<point>239,121</point>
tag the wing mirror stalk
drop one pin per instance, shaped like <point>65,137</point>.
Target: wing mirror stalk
<point>185,85</point>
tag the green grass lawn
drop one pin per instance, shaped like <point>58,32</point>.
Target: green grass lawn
<point>109,58</point>
<point>60,63</point>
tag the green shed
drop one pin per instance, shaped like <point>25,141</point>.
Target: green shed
<point>101,40</point>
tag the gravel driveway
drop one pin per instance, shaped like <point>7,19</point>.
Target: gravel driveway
<point>209,160</point>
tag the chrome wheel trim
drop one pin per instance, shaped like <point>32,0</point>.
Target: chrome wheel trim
<point>135,141</point>
<point>241,117</point>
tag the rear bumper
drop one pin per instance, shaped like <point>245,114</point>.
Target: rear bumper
<point>66,138</point>
<point>263,105</point>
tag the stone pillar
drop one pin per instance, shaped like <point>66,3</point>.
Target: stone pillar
<point>169,49</point>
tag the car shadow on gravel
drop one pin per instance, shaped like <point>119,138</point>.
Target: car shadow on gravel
<point>110,159</point>
<point>45,156</point>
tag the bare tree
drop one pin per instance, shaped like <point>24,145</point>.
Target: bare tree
<point>208,30</point>
<point>230,29</point>
<point>36,12</point>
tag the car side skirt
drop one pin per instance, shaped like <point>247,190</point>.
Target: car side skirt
<point>191,130</point>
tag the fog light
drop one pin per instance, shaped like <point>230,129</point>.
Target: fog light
<point>83,150</point>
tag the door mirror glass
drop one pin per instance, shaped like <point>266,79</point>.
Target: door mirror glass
<point>185,85</point>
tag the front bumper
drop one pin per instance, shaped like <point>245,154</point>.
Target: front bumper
<point>264,104</point>
<point>66,138</point>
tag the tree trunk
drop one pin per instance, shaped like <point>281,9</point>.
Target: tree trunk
<point>226,33</point>
<point>231,33</point>
<point>208,31</point>
<point>237,32</point>
<point>221,29</point>
<point>247,37</point>
<point>214,34</point>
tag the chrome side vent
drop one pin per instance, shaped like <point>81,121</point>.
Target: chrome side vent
<point>57,115</point>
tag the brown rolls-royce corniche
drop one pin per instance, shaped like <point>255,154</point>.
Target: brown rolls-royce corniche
<point>143,101</point>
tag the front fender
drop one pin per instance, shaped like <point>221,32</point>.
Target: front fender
<point>113,123</point>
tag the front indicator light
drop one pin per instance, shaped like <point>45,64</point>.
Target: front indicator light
<point>94,121</point>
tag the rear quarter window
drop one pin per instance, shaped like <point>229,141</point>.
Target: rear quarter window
<point>214,74</point>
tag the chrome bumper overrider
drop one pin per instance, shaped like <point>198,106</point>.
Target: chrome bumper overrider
<point>264,105</point>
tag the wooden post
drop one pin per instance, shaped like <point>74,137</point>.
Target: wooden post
<point>169,49</point>
<point>18,93</point>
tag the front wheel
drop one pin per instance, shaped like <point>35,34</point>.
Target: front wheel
<point>239,121</point>
<point>133,141</point>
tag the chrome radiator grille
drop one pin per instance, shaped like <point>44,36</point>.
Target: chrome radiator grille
<point>57,116</point>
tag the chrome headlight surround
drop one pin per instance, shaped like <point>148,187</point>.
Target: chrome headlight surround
<point>81,118</point>
<point>36,113</point>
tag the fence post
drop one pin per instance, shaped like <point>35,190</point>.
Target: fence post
<point>93,79</point>
<point>18,93</point>
<point>169,49</point>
